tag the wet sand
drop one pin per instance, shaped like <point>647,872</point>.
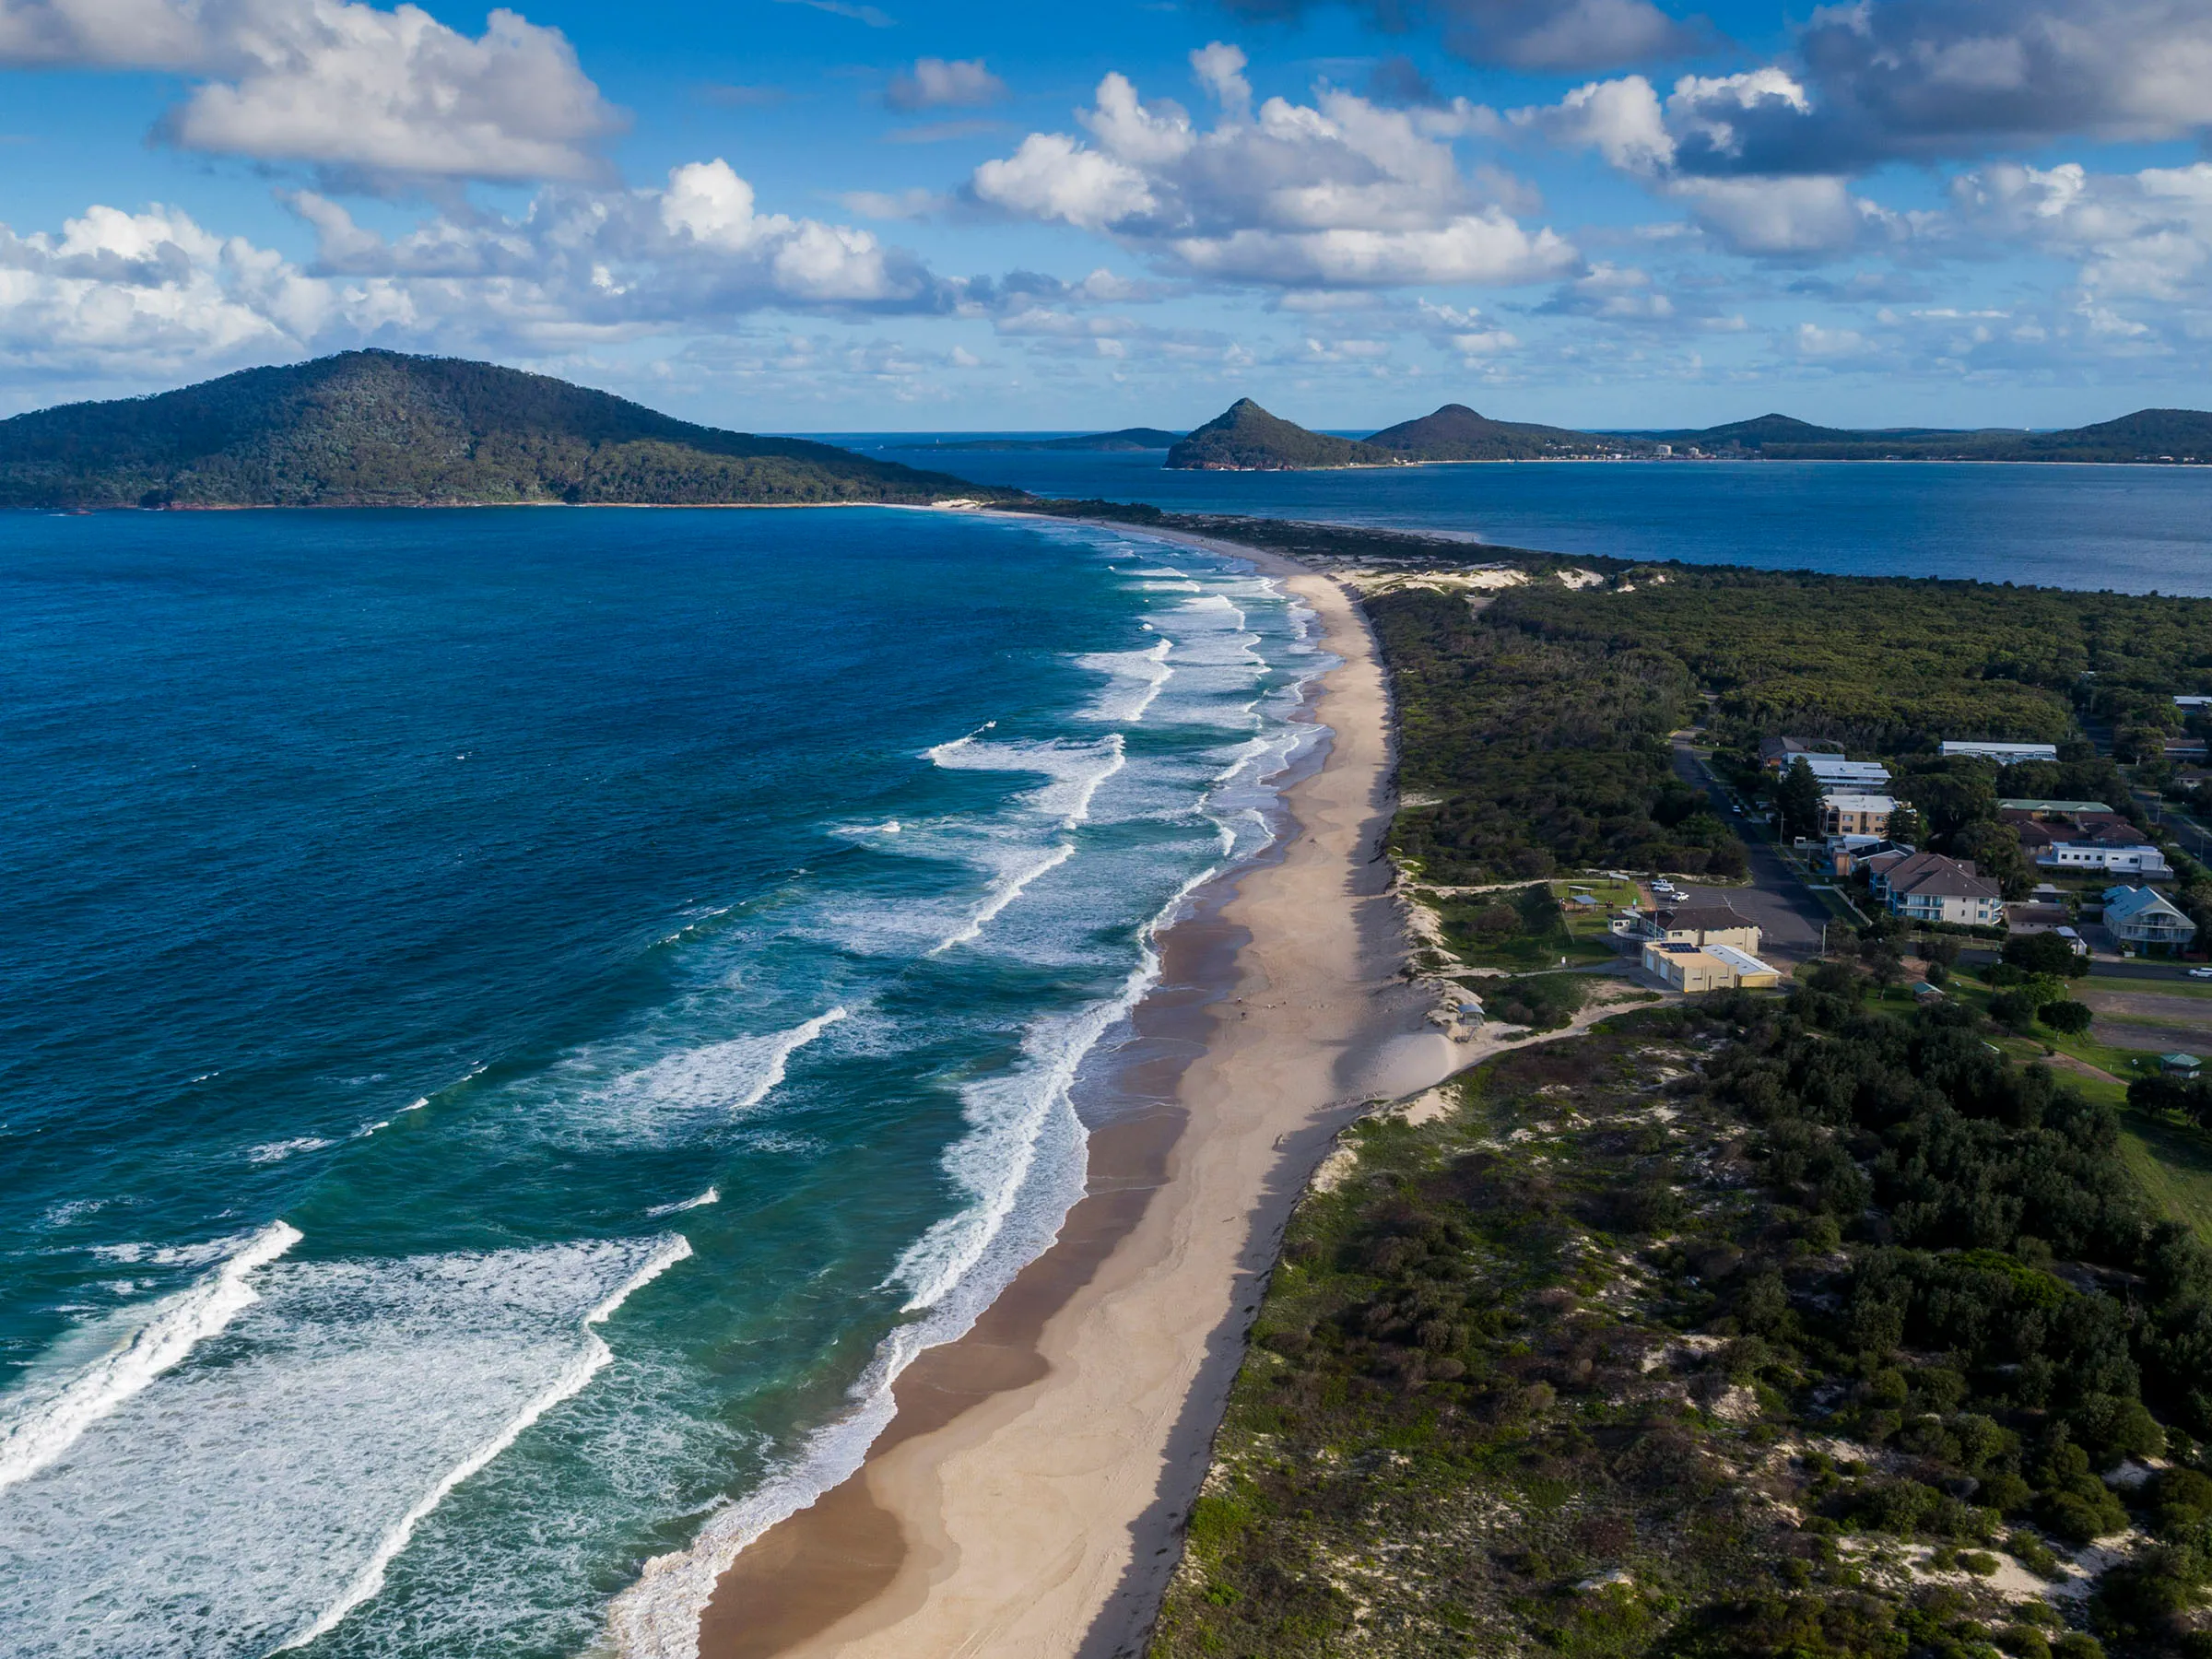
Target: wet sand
<point>1027,1498</point>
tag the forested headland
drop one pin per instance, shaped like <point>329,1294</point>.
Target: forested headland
<point>380,429</point>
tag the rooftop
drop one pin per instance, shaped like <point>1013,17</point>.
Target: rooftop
<point>2053,807</point>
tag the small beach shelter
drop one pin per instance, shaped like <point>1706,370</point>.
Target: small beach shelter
<point>2186,1065</point>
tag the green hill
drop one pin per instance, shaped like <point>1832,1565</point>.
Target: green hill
<point>1245,437</point>
<point>1127,438</point>
<point>1457,433</point>
<point>380,429</point>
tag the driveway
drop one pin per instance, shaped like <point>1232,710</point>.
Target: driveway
<point>1790,919</point>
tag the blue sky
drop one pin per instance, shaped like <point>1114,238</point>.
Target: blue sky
<point>848,215</point>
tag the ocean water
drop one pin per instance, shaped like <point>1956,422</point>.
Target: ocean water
<point>513,1025</point>
<point>2134,529</point>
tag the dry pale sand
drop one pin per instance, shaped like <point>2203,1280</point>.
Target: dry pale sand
<point>1026,1499</point>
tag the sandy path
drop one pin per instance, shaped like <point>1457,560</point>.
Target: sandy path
<point>1031,1504</point>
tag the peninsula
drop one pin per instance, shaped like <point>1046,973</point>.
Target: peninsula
<point>378,428</point>
<point>1127,439</point>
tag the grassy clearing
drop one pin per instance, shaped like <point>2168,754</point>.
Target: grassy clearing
<point>1521,930</point>
<point>2174,1164</point>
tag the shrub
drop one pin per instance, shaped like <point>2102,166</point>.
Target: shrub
<point>2066,1016</point>
<point>2044,953</point>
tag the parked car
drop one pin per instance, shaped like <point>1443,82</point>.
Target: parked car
<point>2200,973</point>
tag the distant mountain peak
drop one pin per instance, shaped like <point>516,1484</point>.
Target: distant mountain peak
<point>1246,438</point>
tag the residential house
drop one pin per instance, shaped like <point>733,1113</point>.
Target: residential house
<point>2004,753</point>
<point>2080,811</point>
<point>1701,919</point>
<point>1833,772</point>
<point>1691,968</point>
<point>2116,846</point>
<point>2141,919</point>
<point>2193,702</point>
<point>1778,752</point>
<point>1928,887</point>
<point>1855,813</point>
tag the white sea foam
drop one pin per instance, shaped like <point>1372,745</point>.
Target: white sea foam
<point>1022,1161</point>
<point>1075,768</point>
<point>1006,888</point>
<point>710,1196</point>
<point>277,1151</point>
<point>716,1080</point>
<point>1141,675</point>
<point>46,1426</point>
<point>596,1356</point>
<point>240,1503</point>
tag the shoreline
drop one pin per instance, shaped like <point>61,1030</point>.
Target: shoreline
<point>1085,1399</point>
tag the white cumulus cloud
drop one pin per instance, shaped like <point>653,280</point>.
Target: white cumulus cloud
<point>340,84</point>
<point>1340,192</point>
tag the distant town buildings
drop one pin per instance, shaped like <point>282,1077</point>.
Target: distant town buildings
<point>2006,752</point>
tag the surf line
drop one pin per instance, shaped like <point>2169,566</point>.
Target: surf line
<point>174,1327</point>
<point>596,1358</point>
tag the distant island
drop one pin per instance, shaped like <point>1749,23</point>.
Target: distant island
<point>2155,436</point>
<point>381,429</point>
<point>1127,438</point>
<point>1246,438</point>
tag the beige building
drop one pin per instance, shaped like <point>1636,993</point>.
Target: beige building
<point>1692,968</point>
<point>1855,813</point>
<point>1701,921</point>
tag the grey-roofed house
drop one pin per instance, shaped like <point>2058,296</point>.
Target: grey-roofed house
<point>2143,920</point>
<point>1701,919</point>
<point>1931,888</point>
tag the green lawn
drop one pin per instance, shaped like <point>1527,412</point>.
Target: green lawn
<point>2175,1165</point>
<point>1521,930</point>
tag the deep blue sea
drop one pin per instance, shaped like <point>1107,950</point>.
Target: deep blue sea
<point>2129,528</point>
<point>516,1023</point>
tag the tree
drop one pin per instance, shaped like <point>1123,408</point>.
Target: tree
<point>1906,825</point>
<point>1798,796</point>
<point>2013,1009</point>
<point>1996,851</point>
<point>2044,953</point>
<point>2064,1016</point>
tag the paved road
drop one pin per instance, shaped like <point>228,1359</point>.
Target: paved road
<point>2137,969</point>
<point>1790,919</point>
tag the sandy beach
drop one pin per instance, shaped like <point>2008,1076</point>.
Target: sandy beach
<point>1028,1497</point>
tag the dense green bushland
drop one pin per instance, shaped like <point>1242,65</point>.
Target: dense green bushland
<point>376,428</point>
<point>1889,664</point>
<point>1759,1328</point>
<point>1532,752</point>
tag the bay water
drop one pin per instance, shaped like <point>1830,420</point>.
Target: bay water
<point>2131,529</point>
<point>517,1023</point>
